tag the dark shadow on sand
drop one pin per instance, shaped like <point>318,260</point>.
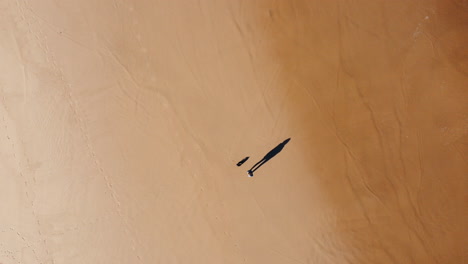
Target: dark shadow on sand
<point>268,156</point>
<point>242,161</point>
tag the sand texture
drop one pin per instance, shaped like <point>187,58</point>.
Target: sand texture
<point>121,123</point>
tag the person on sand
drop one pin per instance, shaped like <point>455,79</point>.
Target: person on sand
<point>267,157</point>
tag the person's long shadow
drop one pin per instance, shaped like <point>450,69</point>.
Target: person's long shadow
<point>268,156</point>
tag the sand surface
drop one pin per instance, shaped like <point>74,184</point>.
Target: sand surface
<point>121,123</point>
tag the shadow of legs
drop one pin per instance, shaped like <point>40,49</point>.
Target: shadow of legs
<point>260,163</point>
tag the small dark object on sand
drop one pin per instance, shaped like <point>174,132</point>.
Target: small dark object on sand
<point>242,161</point>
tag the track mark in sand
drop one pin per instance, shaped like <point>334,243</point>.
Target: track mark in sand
<point>26,185</point>
<point>364,210</point>
<point>311,96</point>
<point>380,139</point>
<point>421,170</point>
<point>197,79</point>
<point>22,63</point>
<point>23,238</point>
<point>134,99</point>
<point>115,5</point>
<point>414,204</point>
<point>125,68</point>
<point>340,139</point>
<point>400,210</point>
<point>252,65</point>
<point>259,206</point>
<point>416,209</point>
<point>58,72</point>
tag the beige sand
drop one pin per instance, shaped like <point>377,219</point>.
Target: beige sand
<point>122,121</point>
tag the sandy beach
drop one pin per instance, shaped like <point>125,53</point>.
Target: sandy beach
<point>121,124</point>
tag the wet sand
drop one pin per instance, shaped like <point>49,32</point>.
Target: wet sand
<point>122,123</point>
